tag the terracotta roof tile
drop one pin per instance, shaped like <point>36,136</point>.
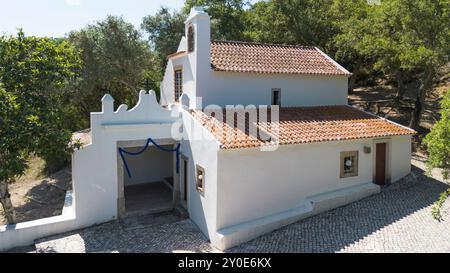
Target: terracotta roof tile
<point>178,53</point>
<point>300,125</point>
<point>271,58</point>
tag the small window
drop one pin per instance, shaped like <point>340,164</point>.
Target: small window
<point>191,39</point>
<point>349,164</point>
<point>200,179</point>
<point>178,79</point>
<point>276,97</point>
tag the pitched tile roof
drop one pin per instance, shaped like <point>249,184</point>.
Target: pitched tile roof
<point>272,58</point>
<point>300,125</point>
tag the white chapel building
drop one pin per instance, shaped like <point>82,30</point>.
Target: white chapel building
<point>246,138</point>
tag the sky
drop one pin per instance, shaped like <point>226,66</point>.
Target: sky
<point>55,18</point>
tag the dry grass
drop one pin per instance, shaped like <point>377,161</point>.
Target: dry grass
<point>35,195</point>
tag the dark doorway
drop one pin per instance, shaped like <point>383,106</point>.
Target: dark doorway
<point>276,97</point>
<point>380,168</point>
<point>148,188</point>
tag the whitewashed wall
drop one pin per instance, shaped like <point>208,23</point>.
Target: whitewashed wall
<point>95,166</point>
<point>401,157</point>
<point>248,191</point>
<point>25,233</point>
<point>226,88</point>
<point>200,147</point>
<point>258,192</point>
<point>168,94</point>
<point>194,64</point>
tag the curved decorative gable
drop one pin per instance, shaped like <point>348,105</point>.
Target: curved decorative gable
<point>146,111</point>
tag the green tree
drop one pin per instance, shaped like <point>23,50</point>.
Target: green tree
<point>437,143</point>
<point>438,140</point>
<point>228,17</point>
<point>266,24</point>
<point>383,41</point>
<point>406,38</point>
<point>307,21</point>
<point>425,35</point>
<point>303,22</point>
<point>33,74</point>
<point>349,18</point>
<point>164,30</point>
<point>13,149</point>
<point>116,60</point>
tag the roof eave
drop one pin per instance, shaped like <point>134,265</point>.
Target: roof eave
<point>278,72</point>
<point>176,54</point>
<point>346,72</point>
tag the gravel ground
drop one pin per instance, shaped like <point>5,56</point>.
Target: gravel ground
<point>181,236</point>
<point>396,220</point>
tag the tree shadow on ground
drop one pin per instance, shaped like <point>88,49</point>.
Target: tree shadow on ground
<point>46,199</point>
<point>334,230</point>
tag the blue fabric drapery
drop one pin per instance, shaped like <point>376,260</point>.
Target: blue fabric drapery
<point>122,153</point>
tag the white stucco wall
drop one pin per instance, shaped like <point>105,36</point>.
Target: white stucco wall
<point>95,166</point>
<point>227,88</point>
<point>201,148</point>
<point>194,64</point>
<point>25,233</point>
<point>248,191</point>
<point>153,165</point>
<point>168,85</point>
<point>401,157</point>
<point>258,192</point>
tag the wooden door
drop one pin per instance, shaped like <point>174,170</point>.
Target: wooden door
<point>380,169</point>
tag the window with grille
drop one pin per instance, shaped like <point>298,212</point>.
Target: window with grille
<point>178,79</point>
<point>200,179</point>
<point>349,164</point>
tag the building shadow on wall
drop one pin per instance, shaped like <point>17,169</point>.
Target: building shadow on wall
<point>334,230</point>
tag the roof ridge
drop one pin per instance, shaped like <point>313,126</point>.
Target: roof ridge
<point>262,44</point>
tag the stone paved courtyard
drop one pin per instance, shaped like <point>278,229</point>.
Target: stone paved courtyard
<point>396,220</point>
